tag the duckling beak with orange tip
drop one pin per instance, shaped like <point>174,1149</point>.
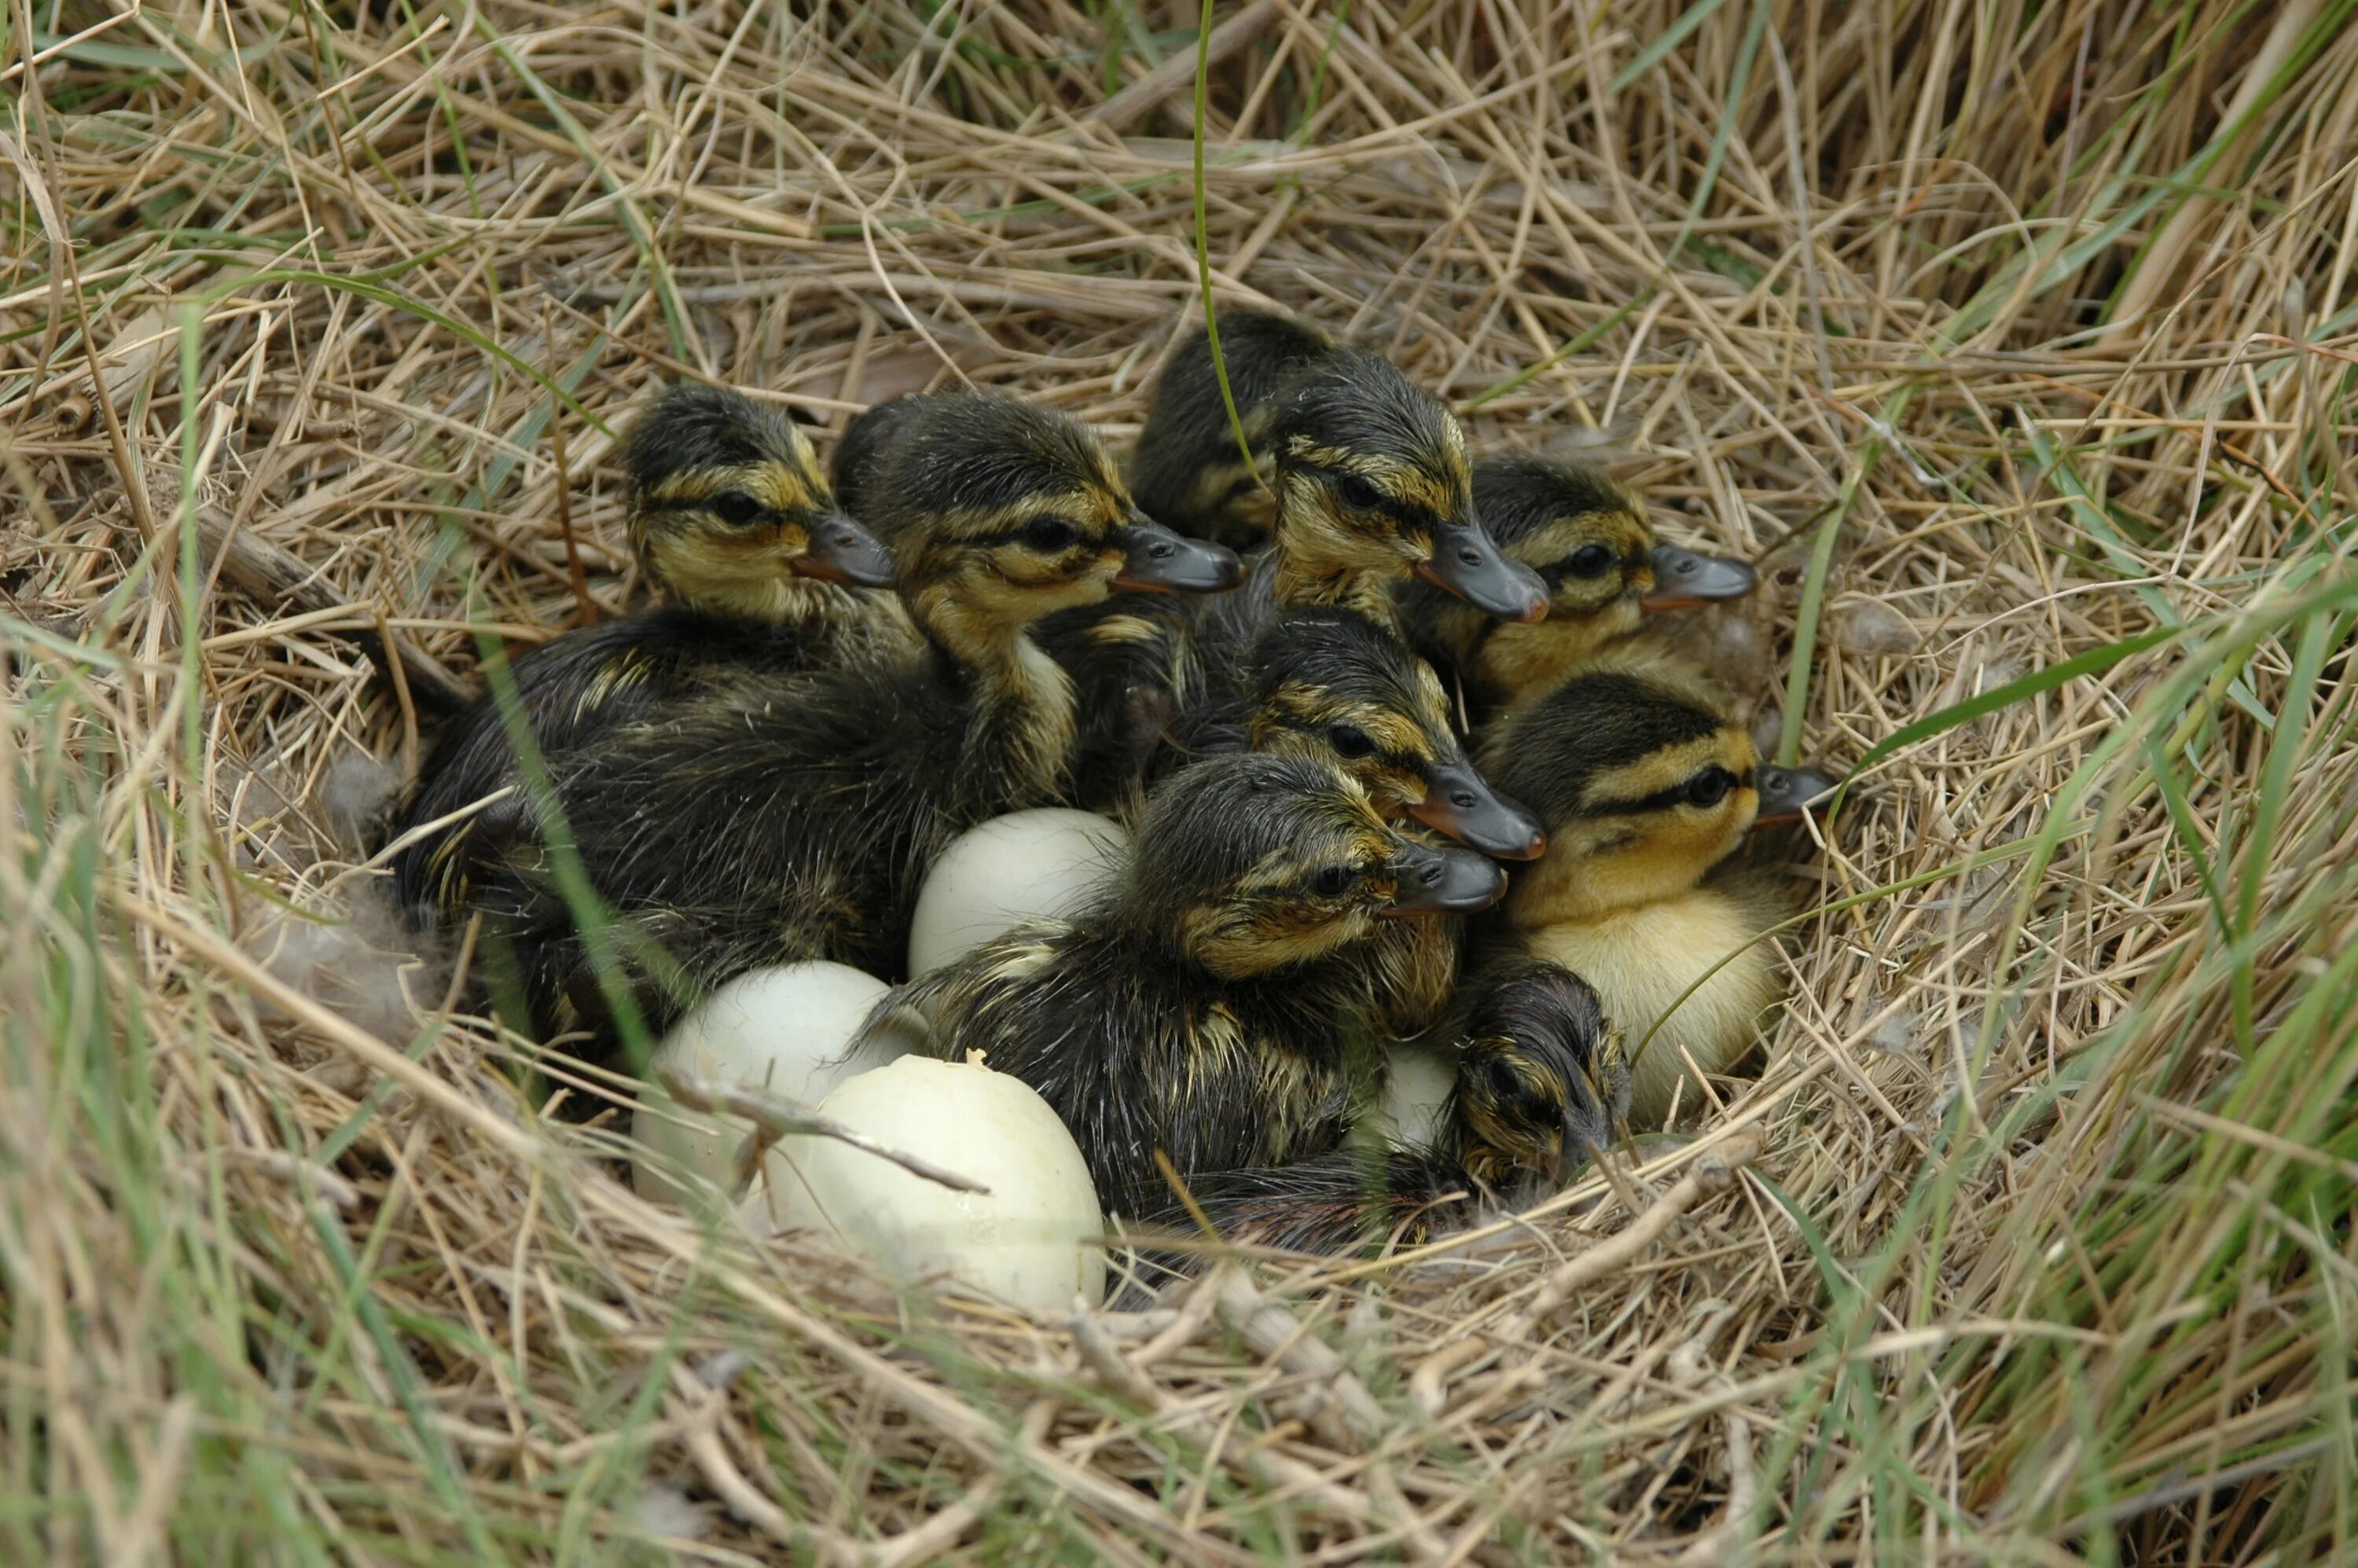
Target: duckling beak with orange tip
<point>842,551</point>
<point>1788,793</point>
<point>1460,801</point>
<point>1157,560</point>
<point>1467,563</point>
<point>1443,882</point>
<point>1684,579</point>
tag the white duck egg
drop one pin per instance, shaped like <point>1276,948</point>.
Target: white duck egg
<point>1417,1081</point>
<point>787,1030</point>
<point>1029,1241</point>
<point>1023,866</point>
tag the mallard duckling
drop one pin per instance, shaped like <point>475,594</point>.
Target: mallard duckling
<point>730,515</point>
<point>1122,654</point>
<point>774,821</point>
<point>1588,538</point>
<point>1646,784</point>
<point>1209,1008</point>
<point>1333,686</point>
<point>1539,1083</point>
<point>1188,471</point>
<point>1367,474</point>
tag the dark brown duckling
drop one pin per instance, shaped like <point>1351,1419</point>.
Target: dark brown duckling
<point>774,821</point>
<point>1368,476</point>
<point>1540,1086</point>
<point>1588,538</point>
<point>731,517</point>
<point>1209,1009</point>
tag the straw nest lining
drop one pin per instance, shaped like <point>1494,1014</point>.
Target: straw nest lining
<point>2038,319</point>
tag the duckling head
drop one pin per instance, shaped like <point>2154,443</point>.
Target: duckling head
<point>1642,779</point>
<point>1373,480</point>
<point>1587,537</point>
<point>1540,1077</point>
<point>999,513</point>
<point>730,512</point>
<point>1332,685</point>
<point>1247,864</point>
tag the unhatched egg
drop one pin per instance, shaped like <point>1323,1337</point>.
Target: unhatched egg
<point>1031,1240</point>
<point>1012,869</point>
<point>787,1030</point>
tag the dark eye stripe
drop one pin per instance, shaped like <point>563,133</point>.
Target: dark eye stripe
<point>1413,514</point>
<point>1319,726</point>
<point>1661,799</point>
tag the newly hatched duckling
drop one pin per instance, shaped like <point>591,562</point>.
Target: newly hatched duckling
<point>1208,1010</point>
<point>1588,536</point>
<point>1646,783</point>
<point>1368,475</point>
<point>1539,1083</point>
<point>782,820</point>
<point>730,515</point>
<point>1333,686</point>
<point>1188,471</point>
<point>1124,654</point>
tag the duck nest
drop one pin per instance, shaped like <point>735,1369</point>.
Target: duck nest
<point>2015,343</point>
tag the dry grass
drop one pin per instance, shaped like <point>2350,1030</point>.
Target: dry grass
<point>2017,334</point>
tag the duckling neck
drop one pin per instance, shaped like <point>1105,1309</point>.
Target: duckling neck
<point>1523,658</point>
<point>1309,584</point>
<point>1567,886</point>
<point>1023,711</point>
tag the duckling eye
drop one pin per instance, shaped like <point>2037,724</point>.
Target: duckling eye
<point>1358,492</point>
<point>1589,561</point>
<point>1332,881</point>
<point>1048,535</point>
<point>736,508</point>
<point>1350,741</point>
<point>1710,786</point>
<point>1511,1091</point>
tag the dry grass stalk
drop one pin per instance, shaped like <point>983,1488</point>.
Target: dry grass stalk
<point>2031,326</point>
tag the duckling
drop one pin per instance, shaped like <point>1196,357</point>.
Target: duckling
<point>1209,1006</point>
<point>1539,1083</point>
<point>1646,783</point>
<point>1368,476</point>
<point>730,514</point>
<point>1188,471</point>
<point>1588,538</point>
<point>1124,654</point>
<point>1333,686</point>
<point>774,821</point>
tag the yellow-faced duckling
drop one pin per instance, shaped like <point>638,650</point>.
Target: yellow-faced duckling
<point>1588,538</point>
<point>1540,1084</point>
<point>1367,472</point>
<point>1123,654</point>
<point>1332,685</point>
<point>783,820</point>
<point>731,517</point>
<point>1646,784</point>
<point>1209,1007</point>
